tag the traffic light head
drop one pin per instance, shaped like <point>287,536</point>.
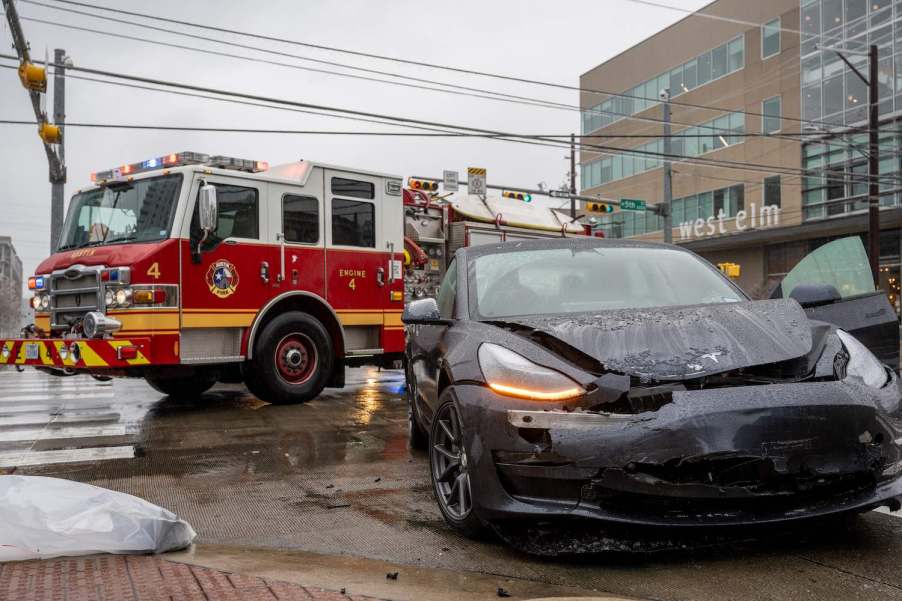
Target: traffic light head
<point>524,196</point>
<point>50,134</point>
<point>422,184</point>
<point>599,207</point>
<point>33,77</point>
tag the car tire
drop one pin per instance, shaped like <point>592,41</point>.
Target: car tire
<point>418,438</point>
<point>452,486</point>
<point>181,387</point>
<point>293,360</point>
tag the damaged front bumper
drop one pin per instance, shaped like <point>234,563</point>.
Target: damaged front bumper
<point>726,456</point>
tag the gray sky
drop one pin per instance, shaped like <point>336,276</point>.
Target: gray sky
<point>550,41</point>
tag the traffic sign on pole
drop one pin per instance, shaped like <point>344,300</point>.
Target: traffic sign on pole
<point>449,181</point>
<point>476,180</point>
<point>632,204</point>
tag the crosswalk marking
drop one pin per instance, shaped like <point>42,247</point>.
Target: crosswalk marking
<point>48,409</point>
<point>53,433</point>
<point>37,419</point>
<point>44,397</point>
<point>33,458</point>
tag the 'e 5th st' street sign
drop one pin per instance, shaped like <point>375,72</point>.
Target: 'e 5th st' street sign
<point>632,204</point>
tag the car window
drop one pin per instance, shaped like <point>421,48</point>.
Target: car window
<point>353,223</point>
<point>447,291</point>
<point>300,219</point>
<point>238,215</point>
<point>842,263</point>
<point>584,279</point>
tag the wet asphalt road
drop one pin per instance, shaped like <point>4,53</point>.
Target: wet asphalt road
<point>335,476</point>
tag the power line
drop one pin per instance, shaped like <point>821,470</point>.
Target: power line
<point>417,63</point>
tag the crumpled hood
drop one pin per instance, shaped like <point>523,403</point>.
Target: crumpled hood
<point>678,342</point>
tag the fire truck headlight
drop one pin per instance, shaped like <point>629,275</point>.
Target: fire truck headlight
<point>36,302</point>
<point>45,301</point>
<point>5,353</point>
<point>64,352</point>
<point>123,297</point>
<point>109,298</point>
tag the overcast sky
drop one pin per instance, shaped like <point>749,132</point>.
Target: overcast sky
<point>551,41</point>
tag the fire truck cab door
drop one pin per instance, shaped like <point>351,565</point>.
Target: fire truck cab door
<point>222,286</point>
<point>360,233</point>
<point>298,217</point>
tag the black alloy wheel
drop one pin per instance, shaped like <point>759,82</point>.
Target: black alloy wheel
<point>450,472</point>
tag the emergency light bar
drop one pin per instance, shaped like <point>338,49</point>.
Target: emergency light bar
<point>180,159</point>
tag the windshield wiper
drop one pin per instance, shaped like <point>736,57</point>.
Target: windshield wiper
<point>122,239</point>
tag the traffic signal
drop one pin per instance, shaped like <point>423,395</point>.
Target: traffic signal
<point>524,196</point>
<point>50,134</point>
<point>33,77</point>
<point>423,184</point>
<point>731,270</point>
<point>599,207</point>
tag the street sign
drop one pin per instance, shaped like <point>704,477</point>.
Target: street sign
<point>632,204</point>
<point>449,181</point>
<point>476,180</point>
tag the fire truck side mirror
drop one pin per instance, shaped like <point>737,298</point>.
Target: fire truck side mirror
<point>207,208</point>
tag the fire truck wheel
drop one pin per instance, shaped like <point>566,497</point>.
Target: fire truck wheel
<point>179,386</point>
<point>292,361</point>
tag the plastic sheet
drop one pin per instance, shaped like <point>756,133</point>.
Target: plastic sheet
<point>50,517</point>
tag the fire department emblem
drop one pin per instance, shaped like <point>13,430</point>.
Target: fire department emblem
<point>222,278</point>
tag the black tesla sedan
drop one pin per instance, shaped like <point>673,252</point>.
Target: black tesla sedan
<point>632,383</point>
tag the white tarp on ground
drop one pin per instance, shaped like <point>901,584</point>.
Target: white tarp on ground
<point>49,517</point>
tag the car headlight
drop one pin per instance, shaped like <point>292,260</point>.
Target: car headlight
<point>109,298</point>
<point>511,374</point>
<point>45,301</point>
<point>35,302</point>
<point>862,364</point>
<point>123,296</point>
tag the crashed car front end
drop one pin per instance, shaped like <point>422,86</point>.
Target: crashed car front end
<point>799,437</point>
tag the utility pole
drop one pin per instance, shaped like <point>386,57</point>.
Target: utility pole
<point>34,79</point>
<point>58,178</point>
<point>668,175</point>
<point>572,176</point>
<point>873,166</point>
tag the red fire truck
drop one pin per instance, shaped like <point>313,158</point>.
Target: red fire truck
<point>189,269</point>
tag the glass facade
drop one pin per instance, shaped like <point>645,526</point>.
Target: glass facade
<point>713,64</point>
<point>730,200</point>
<point>718,133</point>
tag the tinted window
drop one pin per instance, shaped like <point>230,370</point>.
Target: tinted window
<point>353,223</point>
<point>300,219</point>
<point>447,292</point>
<point>353,188</point>
<point>238,215</point>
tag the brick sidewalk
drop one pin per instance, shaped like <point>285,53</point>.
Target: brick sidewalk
<point>143,578</point>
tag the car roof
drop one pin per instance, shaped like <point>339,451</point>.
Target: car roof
<point>552,243</point>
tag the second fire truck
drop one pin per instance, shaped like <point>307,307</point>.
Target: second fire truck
<point>188,269</point>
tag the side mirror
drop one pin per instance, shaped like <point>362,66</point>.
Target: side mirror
<point>423,312</point>
<point>207,208</point>
<point>813,295</point>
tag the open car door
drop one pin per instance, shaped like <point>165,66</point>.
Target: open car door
<point>834,284</point>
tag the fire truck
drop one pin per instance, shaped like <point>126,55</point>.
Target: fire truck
<point>190,269</point>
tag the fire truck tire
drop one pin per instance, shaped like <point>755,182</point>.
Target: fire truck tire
<point>292,361</point>
<point>183,387</point>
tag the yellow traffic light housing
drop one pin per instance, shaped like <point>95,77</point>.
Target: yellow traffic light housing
<point>599,207</point>
<point>33,77</point>
<point>731,270</point>
<point>524,196</point>
<point>423,184</point>
<point>50,134</point>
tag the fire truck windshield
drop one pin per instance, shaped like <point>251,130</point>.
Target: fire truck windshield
<point>136,211</point>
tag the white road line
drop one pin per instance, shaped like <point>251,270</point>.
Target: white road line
<point>32,458</point>
<point>60,433</point>
<point>8,410</point>
<point>44,397</point>
<point>49,386</point>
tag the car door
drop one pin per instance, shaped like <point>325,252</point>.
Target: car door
<point>299,215</point>
<point>222,286</point>
<point>861,310</point>
<point>428,347</point>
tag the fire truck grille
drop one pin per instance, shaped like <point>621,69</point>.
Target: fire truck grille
<point>74,292</point>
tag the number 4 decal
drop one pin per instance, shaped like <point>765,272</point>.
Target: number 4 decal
<point>154,271</point>
<point>352,284</point>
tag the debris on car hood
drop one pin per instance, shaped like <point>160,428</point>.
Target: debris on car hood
<point>52,517</point>
<point>673,343</point>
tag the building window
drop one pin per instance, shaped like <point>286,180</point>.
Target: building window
<point>770,39</point>
<point>300,219</point>
<point>772,191</point>
<point>770,119</point>
<point>353,223</point>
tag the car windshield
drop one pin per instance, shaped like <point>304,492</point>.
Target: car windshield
<point>138,211</point>
<point>577,280</point>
